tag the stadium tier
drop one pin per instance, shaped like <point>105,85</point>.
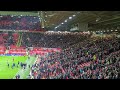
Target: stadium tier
<point>10,22</point>
<point>51,40</point>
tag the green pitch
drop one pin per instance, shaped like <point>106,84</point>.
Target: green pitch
<point>9,73</point>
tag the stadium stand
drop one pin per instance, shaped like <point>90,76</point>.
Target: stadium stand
<point>46,40</point>
<point>10,22</point>
<point>77,62</point>
<point>80,58</point>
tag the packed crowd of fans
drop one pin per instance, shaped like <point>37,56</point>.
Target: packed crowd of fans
<point>6,39</point>
<point>10,22</point>
<point>102,53</point>
<point>51,40</point>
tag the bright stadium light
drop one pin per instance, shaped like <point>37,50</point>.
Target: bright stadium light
<point>56,27</point>
<point>116,30</point>
<point>70,17</point>
<point>65,20</point>
<point>62,23</point>
<point>111,30</point>
<point>74,15</point>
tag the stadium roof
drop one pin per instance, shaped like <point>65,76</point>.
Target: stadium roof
<point>31,13</point>
<point>95,19</point>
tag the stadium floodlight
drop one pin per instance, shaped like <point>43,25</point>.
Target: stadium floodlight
<point>21,15</point>
<point>56,27</point>
<point>116,30</point>
<point>62,23</point>
<point>70,17</point>
<point>111,30</point>
<point>74,15</point>
<point>65,20</point>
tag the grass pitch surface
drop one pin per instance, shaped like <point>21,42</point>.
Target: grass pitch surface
<point>9,73</point>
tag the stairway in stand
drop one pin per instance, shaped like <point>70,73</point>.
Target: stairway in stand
<point>19,39</point>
